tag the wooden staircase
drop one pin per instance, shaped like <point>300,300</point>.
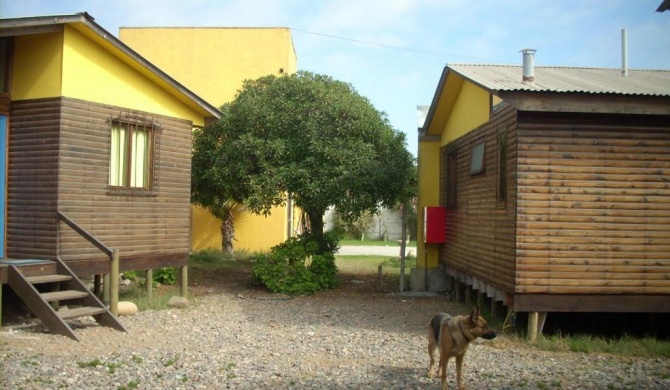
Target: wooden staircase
<point>64,286</point>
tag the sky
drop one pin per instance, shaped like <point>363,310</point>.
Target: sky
<point>393,51</point>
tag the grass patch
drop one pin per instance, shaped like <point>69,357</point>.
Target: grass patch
<point>625,346</point>
<point>138,295</point>
<point>374,243</point>
<point>90,364</point>
<point>213,260</point>
<point>366,264</point>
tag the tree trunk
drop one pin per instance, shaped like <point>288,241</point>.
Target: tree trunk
<point>227,235</point>
<point>316,224</point>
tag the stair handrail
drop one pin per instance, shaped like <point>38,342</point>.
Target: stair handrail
<point>88,236</point>
<point>113,261</point>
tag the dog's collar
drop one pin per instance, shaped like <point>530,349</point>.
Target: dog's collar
<point>466,331</point>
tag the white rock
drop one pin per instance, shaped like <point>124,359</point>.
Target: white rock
<point>126,308</point>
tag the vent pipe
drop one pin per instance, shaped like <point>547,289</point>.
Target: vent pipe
<point>528,65</point>
<point>624,53</point>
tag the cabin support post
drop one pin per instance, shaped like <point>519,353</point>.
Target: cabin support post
<point>1,285</point>
<point>532,326</point>
<point>55,304</point>
<point>494,307</point>
<point>106,290</point>
<point>97,281</point>
<point>481,298</point>
<point>184,281</point>
<point>114,283</point>
<point>653,323</point>
<point>535,324</point>
<point>459,291</point>
<point>468,295</point>
<point>149,284</point>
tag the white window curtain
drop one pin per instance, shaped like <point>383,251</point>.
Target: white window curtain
<point>139,175</point>
<point>118,160</point>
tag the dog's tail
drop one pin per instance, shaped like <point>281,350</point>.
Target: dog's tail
<point>436,324</point>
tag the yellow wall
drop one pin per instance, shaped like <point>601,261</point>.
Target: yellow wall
<point>213,63</point>
<point>252,232</point>
<point>71,64</point>
<point>92,73</point>
<point>470,110</point>
<point>38,65</point>
<point>428,195</point>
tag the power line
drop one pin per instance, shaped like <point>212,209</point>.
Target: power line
<point>406,49</point>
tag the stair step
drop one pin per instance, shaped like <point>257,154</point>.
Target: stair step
<point>48,279</point>
<point>81,312</point>
<point>63,295</point>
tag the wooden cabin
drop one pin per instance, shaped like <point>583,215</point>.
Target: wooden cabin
<point>556,187</point>
<point>97,144</point>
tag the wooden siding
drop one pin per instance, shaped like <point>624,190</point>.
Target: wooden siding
<point>32,179</point>
<point>154,226</point>
<point>480,232</point>
<point>59,161</point>
<point>5,102</point>
<point>593,204</point>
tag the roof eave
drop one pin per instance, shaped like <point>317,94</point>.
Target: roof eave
<point>423,131</point>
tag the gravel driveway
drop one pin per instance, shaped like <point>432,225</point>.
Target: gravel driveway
<point>235,336</point>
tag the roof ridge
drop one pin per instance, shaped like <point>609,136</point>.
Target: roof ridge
<point>557,67</point>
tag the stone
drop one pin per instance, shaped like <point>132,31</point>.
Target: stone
<point>178,302</point>
<point>126,308</point>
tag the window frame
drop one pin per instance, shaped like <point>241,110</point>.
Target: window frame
<point>132,125</point>
<point>6,69</point>
<point>452,178</point>
<point>501,171</point>
<point>478,157</point>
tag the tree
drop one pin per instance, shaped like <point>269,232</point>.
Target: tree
<point>307,136</point>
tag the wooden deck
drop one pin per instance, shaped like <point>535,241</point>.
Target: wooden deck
<point>29,267</point>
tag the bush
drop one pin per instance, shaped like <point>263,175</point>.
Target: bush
<point>293,267</point>
<point>167,276</point>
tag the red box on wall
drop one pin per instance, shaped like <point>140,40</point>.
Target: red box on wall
<point>434,223</point>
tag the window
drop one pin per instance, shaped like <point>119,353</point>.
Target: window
<point>501,192</point>
<point>452,172</point>
<point>477,158</point>
<point>131,157</point>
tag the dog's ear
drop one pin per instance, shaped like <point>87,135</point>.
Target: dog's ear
<point>474,316</point>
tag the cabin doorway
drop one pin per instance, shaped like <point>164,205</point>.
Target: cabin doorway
<point>3,181</point>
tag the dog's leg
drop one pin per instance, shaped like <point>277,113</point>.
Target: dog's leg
<point>444,360</point>
<point>459,368</point>
<point>431,353</point>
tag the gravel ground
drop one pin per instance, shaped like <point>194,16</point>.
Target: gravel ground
<point>238,337</point>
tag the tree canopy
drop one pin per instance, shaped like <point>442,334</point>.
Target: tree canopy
<point>307,136</point>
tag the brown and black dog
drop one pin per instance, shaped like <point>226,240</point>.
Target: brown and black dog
<point>452,336</point>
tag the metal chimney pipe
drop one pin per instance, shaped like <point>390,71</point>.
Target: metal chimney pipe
<point>528,65</point>
<point>624,53</point>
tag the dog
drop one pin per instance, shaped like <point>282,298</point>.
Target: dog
<point>452,336</point>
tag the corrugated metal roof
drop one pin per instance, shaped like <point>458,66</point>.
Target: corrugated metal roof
<point>566,79</point>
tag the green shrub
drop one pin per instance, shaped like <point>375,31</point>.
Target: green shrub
<point>293,267</point>
<point>130,275</point>
<point>167,276</point>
